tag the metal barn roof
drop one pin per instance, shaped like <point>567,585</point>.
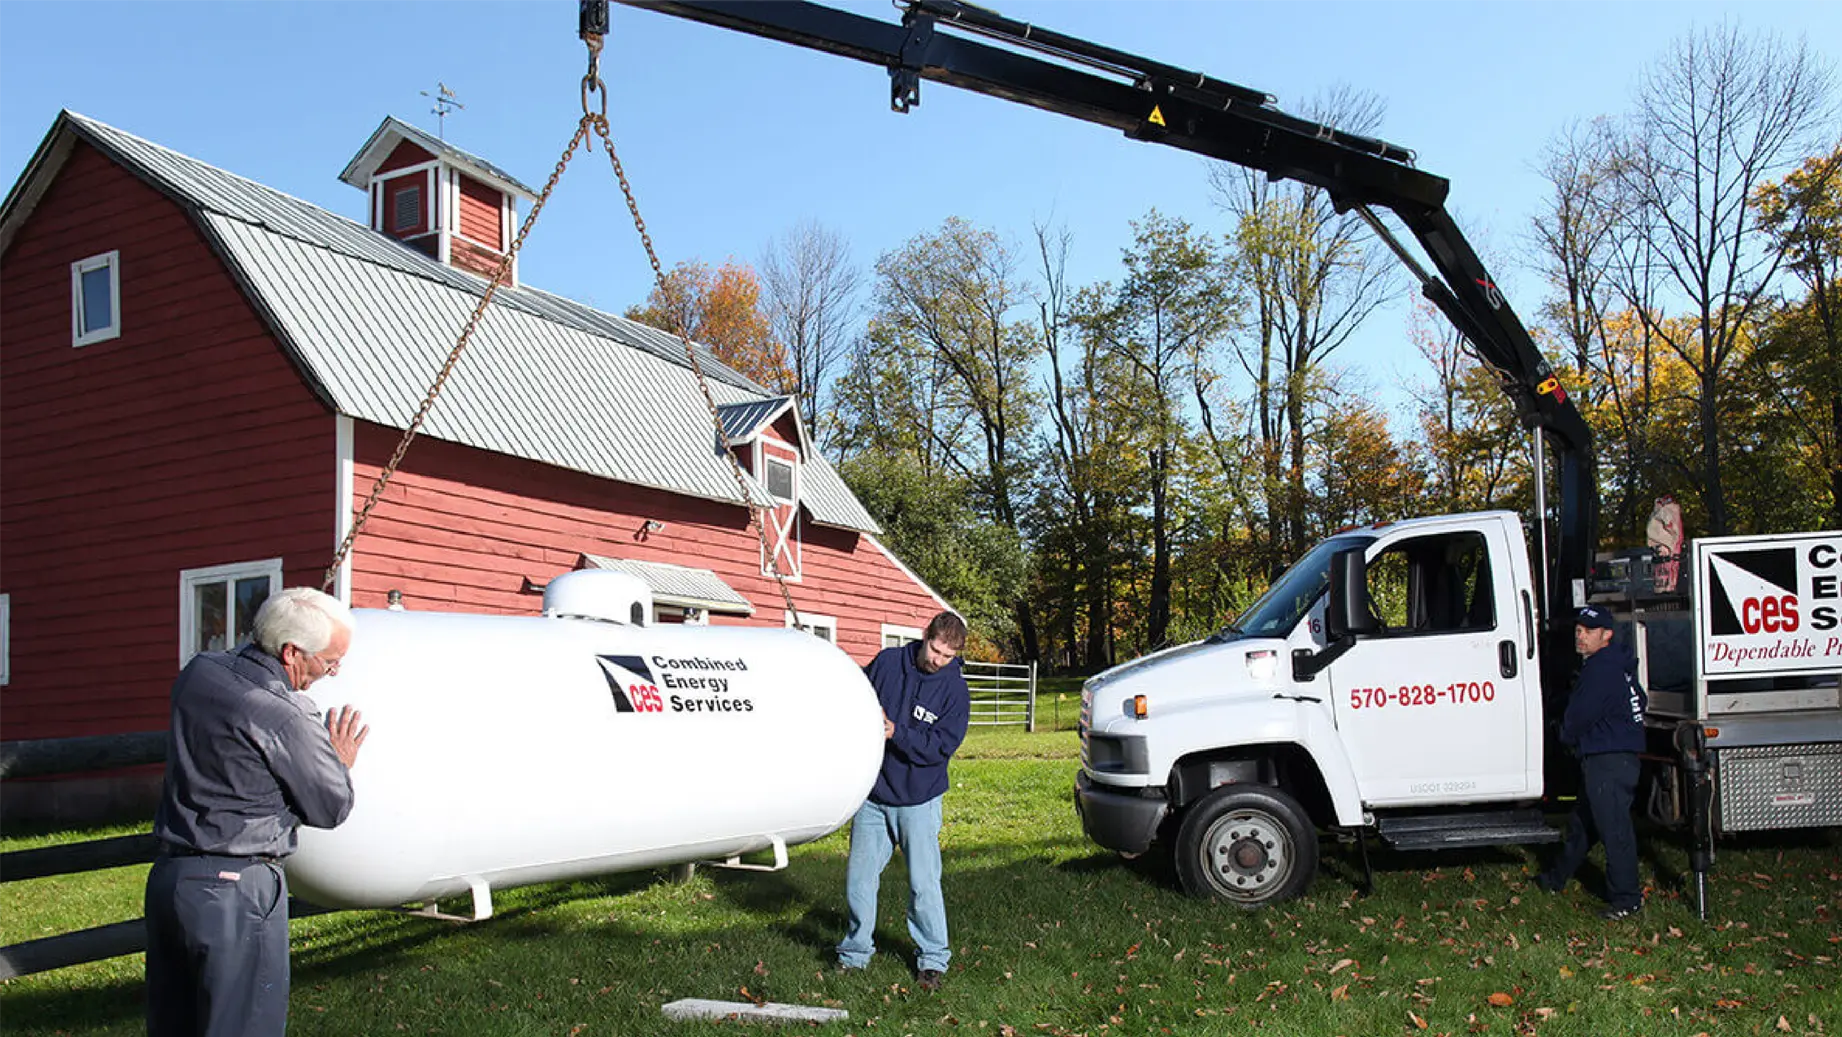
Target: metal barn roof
<point>678,585</point>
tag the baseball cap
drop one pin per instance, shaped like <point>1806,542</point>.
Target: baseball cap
<point>1597,619</point>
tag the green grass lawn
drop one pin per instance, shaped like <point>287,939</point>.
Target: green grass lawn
<point>1052,937</point>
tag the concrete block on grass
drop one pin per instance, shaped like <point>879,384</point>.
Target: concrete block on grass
<point>749,1012</point>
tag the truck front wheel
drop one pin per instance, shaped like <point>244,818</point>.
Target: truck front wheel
<point>1249,845</point>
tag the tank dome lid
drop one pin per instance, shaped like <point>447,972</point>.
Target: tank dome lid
<point>611,597</point>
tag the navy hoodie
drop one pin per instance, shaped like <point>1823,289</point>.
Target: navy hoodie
<point>1606,712</point>
<point>930,711</point>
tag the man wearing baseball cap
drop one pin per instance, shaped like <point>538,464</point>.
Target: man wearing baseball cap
<point>1604,727</point>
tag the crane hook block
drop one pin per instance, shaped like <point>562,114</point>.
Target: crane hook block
<point>594,20</point>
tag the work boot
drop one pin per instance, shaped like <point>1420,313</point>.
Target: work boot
<point>1613,913</point>
<point>929,979</point>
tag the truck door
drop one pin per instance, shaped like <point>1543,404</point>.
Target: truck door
<point>1434,707</point>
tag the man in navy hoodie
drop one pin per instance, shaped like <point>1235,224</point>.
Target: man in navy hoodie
<point>925,709</point>
<point>1604,726</point>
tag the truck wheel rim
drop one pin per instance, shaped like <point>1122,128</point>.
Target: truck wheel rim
<point>1250,855</point>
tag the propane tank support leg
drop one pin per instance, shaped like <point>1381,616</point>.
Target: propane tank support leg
<point>482,904</point>
<point>780,859</point>
<point>482,899</point>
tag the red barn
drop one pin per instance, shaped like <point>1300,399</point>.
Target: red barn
<point>200,378</point>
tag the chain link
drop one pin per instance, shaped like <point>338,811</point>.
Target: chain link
<point>756,513</point>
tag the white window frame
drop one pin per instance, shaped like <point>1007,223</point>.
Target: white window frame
<point>6,638</point>
<point>808,620</point>
<point>191,579</point>
<point>792,468</point>
<point>112,260</point>
<point>909,635</point>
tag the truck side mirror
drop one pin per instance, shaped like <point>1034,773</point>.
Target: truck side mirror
<point>1347,613</point>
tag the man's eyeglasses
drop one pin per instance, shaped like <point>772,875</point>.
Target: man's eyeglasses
<point>328,667</point>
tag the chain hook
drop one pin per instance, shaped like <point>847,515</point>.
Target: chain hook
<point>591,82</point>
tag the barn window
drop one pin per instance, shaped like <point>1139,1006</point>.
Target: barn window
<point>406,209</point>
<point>217,605</point>
<point>95,299</point>
<point>780,479</point>
<point>6,638</point>
<point>896,636</point>
<point>823,627</point>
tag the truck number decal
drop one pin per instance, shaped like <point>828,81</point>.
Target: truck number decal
<point>1458,692</point>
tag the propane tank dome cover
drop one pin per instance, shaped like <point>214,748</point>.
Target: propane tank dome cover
<point>612,597</point>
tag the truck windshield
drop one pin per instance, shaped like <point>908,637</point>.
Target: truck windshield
<point>1292,595</point>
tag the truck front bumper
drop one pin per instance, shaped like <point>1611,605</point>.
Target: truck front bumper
<point>1118,820</point>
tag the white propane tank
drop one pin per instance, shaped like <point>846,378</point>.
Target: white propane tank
<point>510,750</point>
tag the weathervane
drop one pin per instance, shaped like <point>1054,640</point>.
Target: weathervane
<point>445,102</point>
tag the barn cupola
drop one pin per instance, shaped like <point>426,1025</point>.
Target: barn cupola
<point>450,205</point>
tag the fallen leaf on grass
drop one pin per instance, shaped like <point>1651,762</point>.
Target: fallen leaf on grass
<point>1544,1014</point>
<point>1501,1000</point>
<point>1341,993</point>
<point>1341,965</point>
<point>1784,1024</point>
<point>1419,1023</point>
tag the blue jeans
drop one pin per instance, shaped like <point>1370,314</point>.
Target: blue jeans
<point>1603,814</point>
<point>875,833</point>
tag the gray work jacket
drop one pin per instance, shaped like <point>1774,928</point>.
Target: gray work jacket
<point>248,760</point>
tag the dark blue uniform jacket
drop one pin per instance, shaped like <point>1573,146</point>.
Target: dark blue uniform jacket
<point>930,711</point>
<point>1606,712</point>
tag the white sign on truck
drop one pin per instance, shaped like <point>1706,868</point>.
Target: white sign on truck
<point>1769,606</point>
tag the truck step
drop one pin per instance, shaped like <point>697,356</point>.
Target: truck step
<point>1450,831</point>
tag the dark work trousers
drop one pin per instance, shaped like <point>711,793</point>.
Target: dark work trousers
<point>217,948</point>
<point>1603,814</point>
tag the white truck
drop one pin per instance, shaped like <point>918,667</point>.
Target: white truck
<point>1391,682</point>
<point>1421,719</point>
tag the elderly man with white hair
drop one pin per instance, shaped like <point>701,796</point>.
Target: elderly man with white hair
<point>248,761</point>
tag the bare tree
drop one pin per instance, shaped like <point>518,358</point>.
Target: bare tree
<point>1717,115</point>
<point>810,293</point>
<point>1313,275</point>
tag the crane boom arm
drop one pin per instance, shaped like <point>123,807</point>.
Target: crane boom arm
<point>1163,104</point>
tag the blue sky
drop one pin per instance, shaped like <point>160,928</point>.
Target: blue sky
<point>731,140</point>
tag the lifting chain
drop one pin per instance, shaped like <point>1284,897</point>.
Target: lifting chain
<point>595,122</point>
<point>757,514</point>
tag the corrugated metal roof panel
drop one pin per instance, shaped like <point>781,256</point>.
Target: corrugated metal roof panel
<point>829,501</point>
<point>525,386</point>
<point>679,584</point>
<point>740,420</point>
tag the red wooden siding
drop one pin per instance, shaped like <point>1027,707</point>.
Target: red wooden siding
<point>462,529</point>
<point>189,441</point>
<point>404,154</point>
<point>479,213</point>
<point>472,258</point>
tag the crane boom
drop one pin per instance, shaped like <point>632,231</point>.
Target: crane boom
<point>1163,104</point>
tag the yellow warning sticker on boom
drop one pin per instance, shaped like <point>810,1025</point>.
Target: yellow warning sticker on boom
<point>1156,118</point>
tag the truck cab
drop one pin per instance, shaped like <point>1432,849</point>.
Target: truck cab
<point>1389,680</point>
